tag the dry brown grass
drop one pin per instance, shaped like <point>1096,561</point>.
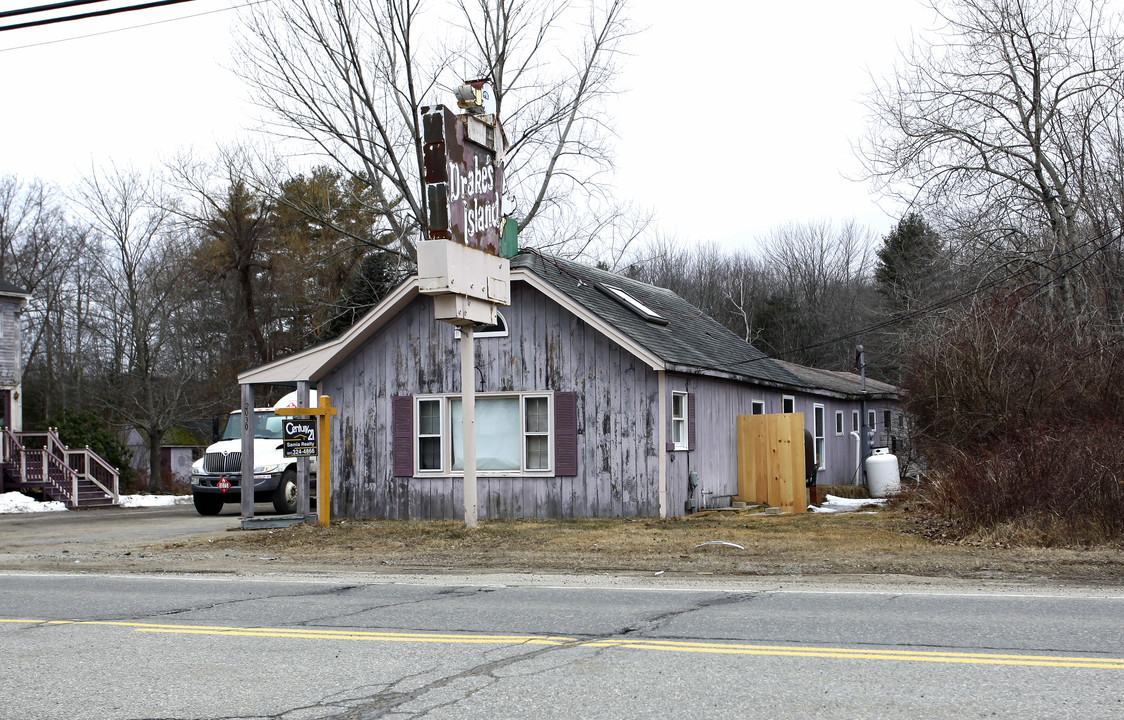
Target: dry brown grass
<point>892,541</point>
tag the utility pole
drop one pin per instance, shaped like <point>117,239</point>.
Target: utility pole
<point>864,428</point>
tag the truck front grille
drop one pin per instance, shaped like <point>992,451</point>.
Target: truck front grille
<point>220,463</point>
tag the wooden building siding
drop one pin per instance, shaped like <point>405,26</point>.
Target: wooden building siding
<point>547,349</point>
<point>715,458</point>
<point>718,403</point>
<point>9,343</point>
<point>840,458</point>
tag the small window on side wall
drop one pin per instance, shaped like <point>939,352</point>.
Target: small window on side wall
<point>758,407</point>
<point>679,420</point>
<point>788,404</point>
<point>819,431</point>
<point>838,422</point>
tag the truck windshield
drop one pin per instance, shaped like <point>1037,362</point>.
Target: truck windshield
<point>267,426</point>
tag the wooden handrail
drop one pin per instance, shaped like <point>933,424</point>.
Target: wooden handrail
<point>53,455</point>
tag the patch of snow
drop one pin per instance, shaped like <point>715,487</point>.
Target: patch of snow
<point>133,501</point>
<point>14,502</point>
<point>835,504</point>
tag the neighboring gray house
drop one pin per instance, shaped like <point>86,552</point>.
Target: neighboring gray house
<point>597,395</point>
<point>12,302</point>
<point>175,460</point>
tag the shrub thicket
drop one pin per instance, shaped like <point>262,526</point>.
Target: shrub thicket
<point>1017,417</point>
<point>78,429</point>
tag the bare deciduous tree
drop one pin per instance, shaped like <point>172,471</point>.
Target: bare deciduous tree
<point>149,366</point>
<point>1000,118</point>
<point>41,251</point>
<point>350,76</point>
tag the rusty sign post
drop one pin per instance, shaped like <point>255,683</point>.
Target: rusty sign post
<point>323,414</point>
<point>459,264</point>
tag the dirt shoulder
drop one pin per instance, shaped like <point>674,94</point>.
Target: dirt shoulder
<point>717,544</point>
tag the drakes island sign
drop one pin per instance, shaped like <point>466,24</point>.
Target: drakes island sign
<point>463,180</point>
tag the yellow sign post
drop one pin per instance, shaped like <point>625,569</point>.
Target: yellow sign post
<point>323,415</point>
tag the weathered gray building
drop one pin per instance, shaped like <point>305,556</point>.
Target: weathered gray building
<point>596,397</point>
<point>12,302</point>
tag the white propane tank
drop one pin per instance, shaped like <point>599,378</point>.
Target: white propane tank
<point>882,473</point>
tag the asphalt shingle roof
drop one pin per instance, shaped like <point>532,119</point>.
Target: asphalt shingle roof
<point>690,338</point>
<point>846,383</point>
<point>8,288</point>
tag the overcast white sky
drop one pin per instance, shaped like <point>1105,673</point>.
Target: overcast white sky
<point>737,117</point>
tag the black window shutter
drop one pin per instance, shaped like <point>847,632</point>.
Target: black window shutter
<point>690,421</point>
<point>402,422</point>
<point>565,433</point>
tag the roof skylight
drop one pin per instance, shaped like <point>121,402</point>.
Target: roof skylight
<point>634,305</point>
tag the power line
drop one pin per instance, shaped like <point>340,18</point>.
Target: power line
<point>45,8</point>
<point>133,27</point>
<point>85,16</point>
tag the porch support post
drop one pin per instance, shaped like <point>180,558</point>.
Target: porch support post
<point>661,437</point>
<point>248,421</point>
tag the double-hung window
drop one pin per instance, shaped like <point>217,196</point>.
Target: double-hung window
<point>536,432</point>
<point>514,434</point>
<point>679,410</point>
<point>819,430</point>
<point>430,434</point>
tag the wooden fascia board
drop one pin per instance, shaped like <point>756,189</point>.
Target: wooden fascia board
<point>24,298</point>
<point>647,356</point>
<point>808,389</point>
<point>736,377</point>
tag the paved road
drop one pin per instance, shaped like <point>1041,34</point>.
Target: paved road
<point>96,646</point>
<point>117,527</point>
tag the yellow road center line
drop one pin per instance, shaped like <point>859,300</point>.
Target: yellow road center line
<point>908,653</point>
<point>931,656</point>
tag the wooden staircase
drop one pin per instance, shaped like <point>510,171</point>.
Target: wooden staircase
<point>38,463</point>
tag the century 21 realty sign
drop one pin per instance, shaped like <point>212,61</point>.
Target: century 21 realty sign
<point>462,178</point>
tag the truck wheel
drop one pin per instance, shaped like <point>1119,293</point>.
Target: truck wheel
<point>285,496</point>
<point>207,504</point>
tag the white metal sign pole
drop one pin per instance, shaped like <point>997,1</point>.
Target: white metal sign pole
<point>468,422</point>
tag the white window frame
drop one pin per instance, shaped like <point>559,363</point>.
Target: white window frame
<point>440,435</point>
<point>872,419</point>
<point>527,433</point>
<point>480,333</point>
<point>854,421</point>
<point>757,407</point>
<point>788,401</point>
<point>819,433</point>
<point>682,422</point>
<point>446,469</point>
<point>839,423</point>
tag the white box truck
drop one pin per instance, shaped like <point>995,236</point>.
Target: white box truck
<point>216,478</point>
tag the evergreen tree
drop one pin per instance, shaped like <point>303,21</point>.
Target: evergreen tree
<point>907,261</point>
